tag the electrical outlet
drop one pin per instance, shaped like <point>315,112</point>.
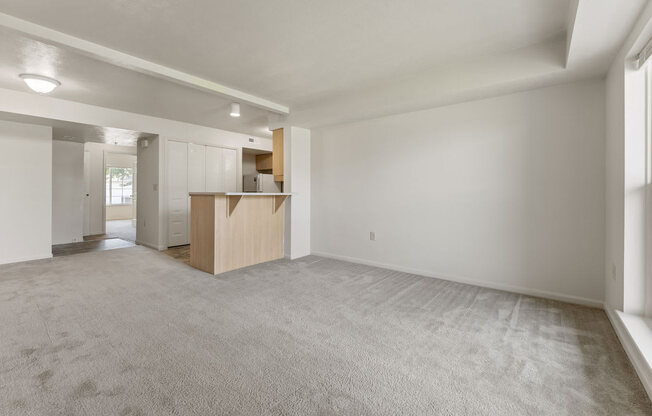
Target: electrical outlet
<point>372,236</point>
<point>613,271</point>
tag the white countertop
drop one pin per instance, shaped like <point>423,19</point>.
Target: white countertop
<point>241,193</point>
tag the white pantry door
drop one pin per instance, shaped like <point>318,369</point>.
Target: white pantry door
<point>214,169</point>
<point>230,170</point>
<point>196,168</point>
<point>177,194</point>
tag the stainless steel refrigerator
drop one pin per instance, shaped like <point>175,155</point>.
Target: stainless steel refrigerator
<point>261,182</point>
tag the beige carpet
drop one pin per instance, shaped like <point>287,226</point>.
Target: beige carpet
<point>135,332</point>
<point>123,229</point>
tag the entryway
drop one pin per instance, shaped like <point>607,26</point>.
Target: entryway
<point>120,195</point>
<point>94,188</point>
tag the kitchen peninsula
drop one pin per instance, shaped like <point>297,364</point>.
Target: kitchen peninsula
<point>230,230</point>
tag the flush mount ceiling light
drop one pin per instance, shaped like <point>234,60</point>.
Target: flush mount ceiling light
<point>39,83</point>
<point>235,110</point>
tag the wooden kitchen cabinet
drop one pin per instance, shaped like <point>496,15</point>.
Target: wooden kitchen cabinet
<point>264,162</point>
<point>277,155</point>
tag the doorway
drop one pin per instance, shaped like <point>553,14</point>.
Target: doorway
<point>120,172</point>
<point>94,187</point>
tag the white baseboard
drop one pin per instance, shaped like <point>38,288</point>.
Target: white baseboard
<point>632,348</point>
<point>594,303</point>
<point>26,258</point>
<point>150,245</point>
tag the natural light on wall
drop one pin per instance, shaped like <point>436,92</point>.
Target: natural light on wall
<point>641,155</point>
<point>648,180</point>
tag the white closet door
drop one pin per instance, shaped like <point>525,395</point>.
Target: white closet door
<point>196,168</point>
<point>214,169</point>
<point>177,193</point>
<point>230,170</point>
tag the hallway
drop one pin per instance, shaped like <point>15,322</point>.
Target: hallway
<point>123,229</point>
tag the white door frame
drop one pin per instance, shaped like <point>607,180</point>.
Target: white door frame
<point>87,193</point>
<point>133,166</point>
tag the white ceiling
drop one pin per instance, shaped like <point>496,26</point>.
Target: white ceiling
<point>82,133</point>
<point>329,61</point>
<point>293,51</point>
<point>91,81</point>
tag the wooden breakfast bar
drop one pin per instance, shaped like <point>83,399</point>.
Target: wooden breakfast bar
<point>230,230</point>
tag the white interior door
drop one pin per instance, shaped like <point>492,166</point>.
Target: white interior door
<point>87,193</point>
<point>230,170</point>
<point>196,168</point>
<point>214,169</point>
<point>178,193</point>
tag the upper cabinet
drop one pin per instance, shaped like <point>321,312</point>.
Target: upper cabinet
<point>277,155</point>
<point>264,163</point>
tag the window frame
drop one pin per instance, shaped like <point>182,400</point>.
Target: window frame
<point>109,192</point>
<point>647,303</point>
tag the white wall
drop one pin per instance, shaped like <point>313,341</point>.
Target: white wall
<point>26,192</point>
<point>119,212</point>
<point>614,190</point>
<point>125,157</point>
<point>67,192</point>
<point>147,217</point>
<point>296,180</point>
<point>506,192</point>
<point>97,194</point>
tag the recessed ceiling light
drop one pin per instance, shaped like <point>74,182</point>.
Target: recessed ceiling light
<point>39,83</point>
<point>235,110</point>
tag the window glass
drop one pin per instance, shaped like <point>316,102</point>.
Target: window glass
<point>119,182</point>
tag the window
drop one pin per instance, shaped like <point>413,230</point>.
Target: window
<point>119,183</point>
<point>647,282</point>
